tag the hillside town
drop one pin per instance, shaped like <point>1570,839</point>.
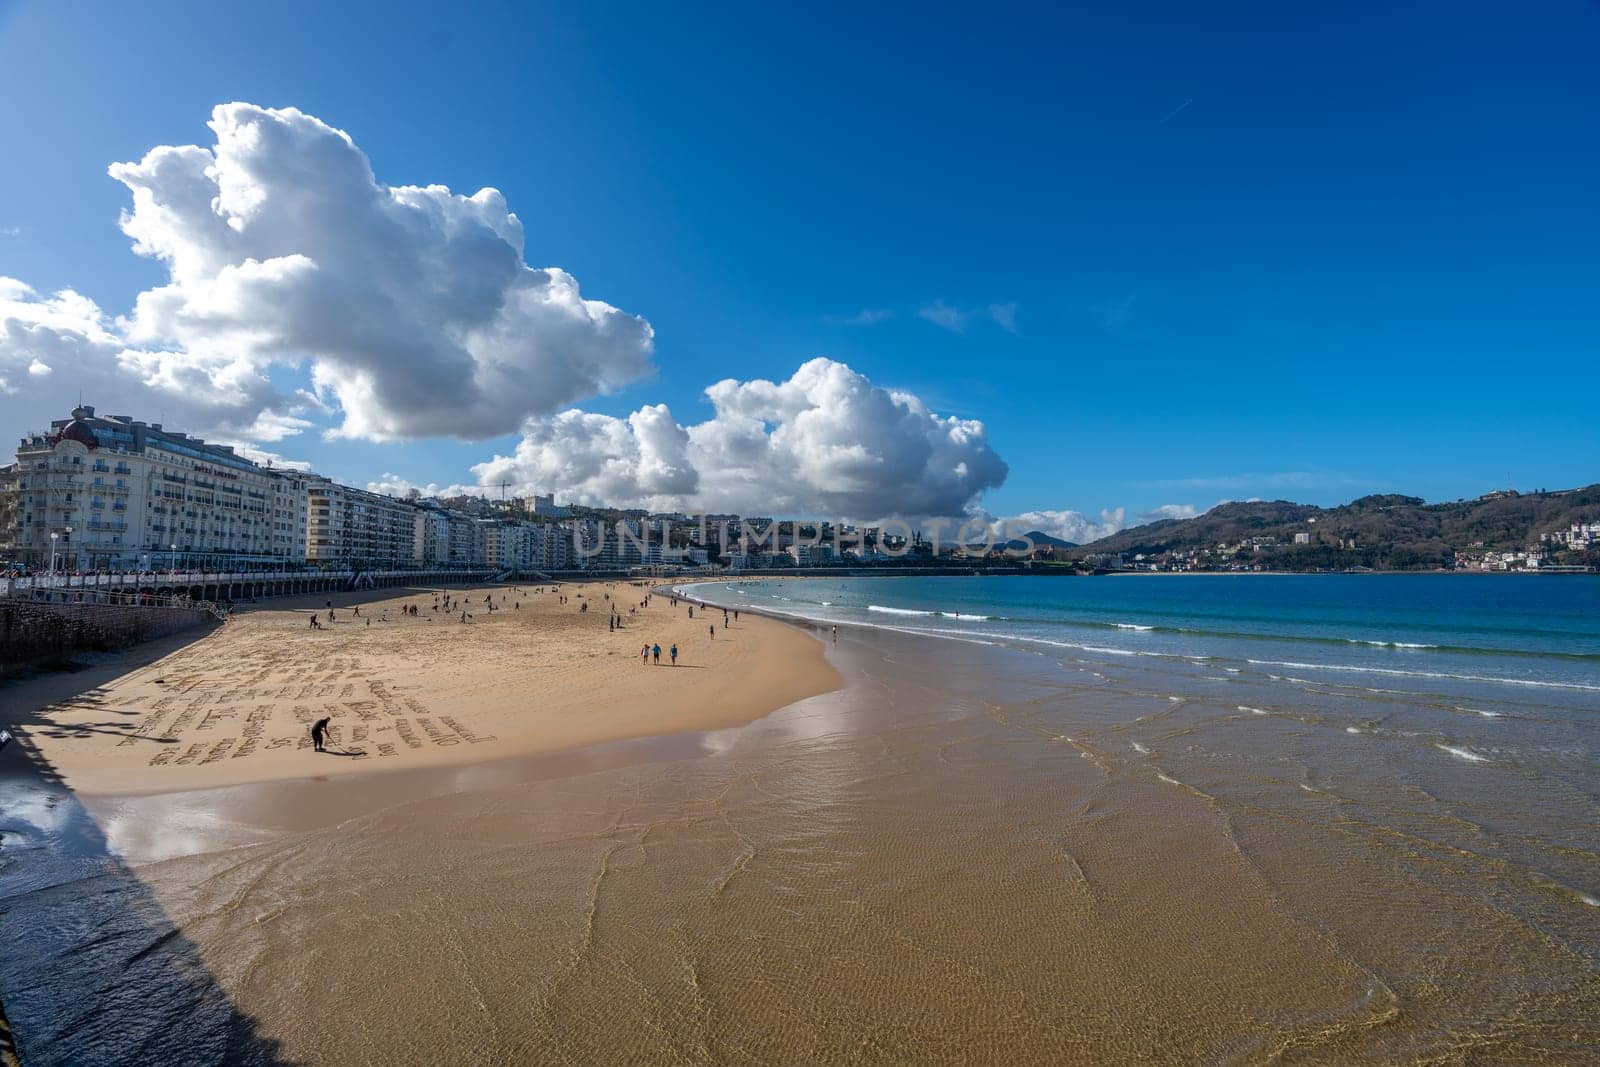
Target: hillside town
<point>1262,553</point>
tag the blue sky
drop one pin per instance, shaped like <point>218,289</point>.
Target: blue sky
<point>1190,252</point>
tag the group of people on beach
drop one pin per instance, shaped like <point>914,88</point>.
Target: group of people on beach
<point>653,652</point>
<point>446,602</point>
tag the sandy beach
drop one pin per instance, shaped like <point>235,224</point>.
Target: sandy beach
<point>889,849</point>
<point>535,674</point>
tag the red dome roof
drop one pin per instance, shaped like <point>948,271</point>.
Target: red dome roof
<point>78,431</point>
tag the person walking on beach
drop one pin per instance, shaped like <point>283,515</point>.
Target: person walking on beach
<point>674,655</point>
<point>713,631</point>
<point>318,728</point>
<point>644,655</point>
<point>655,650</point>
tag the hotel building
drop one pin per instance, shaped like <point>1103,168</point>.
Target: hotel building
<point>109,492</point>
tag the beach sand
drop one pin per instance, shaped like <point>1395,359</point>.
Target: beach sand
<point>534,675</point>
<point>964,854</point>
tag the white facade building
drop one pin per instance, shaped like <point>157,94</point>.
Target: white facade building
<point>346,525</point>
<point>118,494</point>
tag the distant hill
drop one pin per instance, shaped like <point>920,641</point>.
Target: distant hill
<point>1384,532</point>
<point>1041,539</point>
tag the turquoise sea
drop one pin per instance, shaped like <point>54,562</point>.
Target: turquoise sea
<point>1490,633</point>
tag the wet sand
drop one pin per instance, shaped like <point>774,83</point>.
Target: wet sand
<point>966,854</point>
<point>402,691</point>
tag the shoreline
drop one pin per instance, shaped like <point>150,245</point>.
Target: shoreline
<point>1128,853</point>
<point>233,706</point>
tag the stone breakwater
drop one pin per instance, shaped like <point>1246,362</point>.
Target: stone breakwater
<point>33,633</point>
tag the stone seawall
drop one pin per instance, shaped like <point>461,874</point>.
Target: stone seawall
<point>33,633</point>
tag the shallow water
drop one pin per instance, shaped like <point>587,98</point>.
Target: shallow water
<point>975,852</point>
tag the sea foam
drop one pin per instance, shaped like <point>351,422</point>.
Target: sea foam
<point>1462,753</point>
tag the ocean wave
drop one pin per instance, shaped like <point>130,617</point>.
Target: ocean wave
<point>1462,753</point>
<point>1389,644</point>
<point>1396,672</point>
<point>1316,639</point>
<point>886,610</point>
<point>1480,711</point>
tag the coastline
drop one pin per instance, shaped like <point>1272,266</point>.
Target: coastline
<point>962,851</point>
<point>234,705</point>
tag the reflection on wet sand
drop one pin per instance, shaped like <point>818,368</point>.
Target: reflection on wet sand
<point>93,969</point>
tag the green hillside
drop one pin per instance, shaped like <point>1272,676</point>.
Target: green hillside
<point>1385,532</point>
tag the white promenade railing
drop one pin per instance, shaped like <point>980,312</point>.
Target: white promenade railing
<point>135,580</point>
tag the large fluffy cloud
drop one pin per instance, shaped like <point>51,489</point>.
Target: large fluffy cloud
<point>1083,529</point>
<point>412,307</point>
<point>1069,525</point>
<point>53,348</point>
<point>825,442</point>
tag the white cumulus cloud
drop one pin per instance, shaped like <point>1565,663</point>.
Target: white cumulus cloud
<point>1069,525</point>
<point>1082,529</point>
<point>1167,511</point>
<point>412,307</point>
<point>825,442</point>
<point>54,347</point>
<point>395,485</point>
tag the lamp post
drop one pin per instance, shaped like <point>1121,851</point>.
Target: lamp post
<point>53,536</point>
<point>174,549</point>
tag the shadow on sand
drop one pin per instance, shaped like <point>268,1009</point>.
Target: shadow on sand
<point>92,971</point>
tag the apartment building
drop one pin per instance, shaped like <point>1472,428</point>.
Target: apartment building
<point>109,492</point>
<point>430,541</point>
<point>9,477</point>
<point>508,545</point>
<point>346,525</point>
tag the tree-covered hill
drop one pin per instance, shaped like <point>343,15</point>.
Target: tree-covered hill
<point>1385,532</point>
